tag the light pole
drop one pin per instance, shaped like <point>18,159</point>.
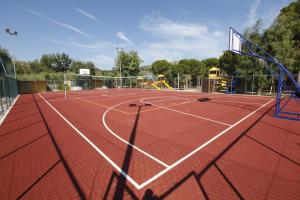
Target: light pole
<point>12,33</point>
<point>119,49</point>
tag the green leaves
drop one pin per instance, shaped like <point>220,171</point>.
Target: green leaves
<point>56,62</point>
<point>129,62</point>
<point>76,65</point>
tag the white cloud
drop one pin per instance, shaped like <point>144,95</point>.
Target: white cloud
<point>85,13</point>
<point>178,40</point>
<point>123,37</point>
<point>77,30</point>
<point>95,50</point>
<point>218,33</point>
<point>95,46</point>
<point>102,61</point>
<point>168,28</point>
<point>252,13</point>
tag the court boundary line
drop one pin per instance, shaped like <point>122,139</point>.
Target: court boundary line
<point>8,111</point>
<point>133,182</point>
<point>153,178</point>
<point>123,140</point>
<point>201,147</point>
<point>238,102</point>
<point>185,113</point>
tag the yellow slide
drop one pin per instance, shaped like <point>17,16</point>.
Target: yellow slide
<point>155,86</point>
<point>160,82</point>
<point>167,85</point>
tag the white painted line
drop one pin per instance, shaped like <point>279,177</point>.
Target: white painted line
<point>9,109</point>
<point>126,142</point>
<point>168,168</point>
<point>184,113</point>
<point>238,102</point>
<point>169,98</point>
<point>94,146</point>
<point>200,147</point>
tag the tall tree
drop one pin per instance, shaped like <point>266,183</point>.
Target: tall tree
<point>56,62</point>
<point>76,65</point>
<point>228,62</point>
<point>5,62</point>
<point>283,37</point>
<point>160,67</point>
<point>129,63</point>
<point>211,62</point>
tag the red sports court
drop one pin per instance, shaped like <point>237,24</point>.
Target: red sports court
<point>146,144</point>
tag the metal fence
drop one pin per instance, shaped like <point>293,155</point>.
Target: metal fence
<point>251,84</point>
<point>8,93</point>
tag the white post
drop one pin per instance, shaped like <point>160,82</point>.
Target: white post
<point>120,63</point>
<point>13,55</point>
<point>231,83</point>
<point>271,88</point>
<point>252,83</point>
<point>65,86</point>
<point>178,82</point>
<point>208,85</point>
<point>12,33</point>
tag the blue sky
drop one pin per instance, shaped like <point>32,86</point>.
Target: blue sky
<point>158,29</point>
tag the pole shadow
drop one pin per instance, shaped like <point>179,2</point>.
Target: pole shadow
<point>121,180</point>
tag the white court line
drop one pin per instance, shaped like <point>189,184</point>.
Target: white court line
<point>94,146</point>
<point>200,147</point>
<point>85,97</point>
<point>189,114</point>
<point>241,102</point>
<point>9,109</point>
<point>140,186</point>
<point>126,142</point>
<point>169,98</point>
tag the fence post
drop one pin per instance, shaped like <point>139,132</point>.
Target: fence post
<point>1,104</point>
<point>231,84</point>
<point>178,82</point>
<point>10,93</point>
<point>252,84</point>
<point>4,90</point>
<point>65,86</point>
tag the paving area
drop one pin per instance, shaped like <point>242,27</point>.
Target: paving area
<point>41,157</point>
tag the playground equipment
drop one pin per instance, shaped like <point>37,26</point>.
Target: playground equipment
<point>287,85</point>
<point>158,84</point>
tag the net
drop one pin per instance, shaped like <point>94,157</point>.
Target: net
<point>89,82</point>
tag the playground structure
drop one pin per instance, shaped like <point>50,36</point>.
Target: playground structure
<point>287,88</point>
<point>215,79</point>
<point>161,81</point>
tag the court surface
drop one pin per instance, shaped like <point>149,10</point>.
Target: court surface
<point>139,143</point>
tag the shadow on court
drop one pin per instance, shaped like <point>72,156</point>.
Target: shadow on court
<point>121,187</point>
<point>195,175</point>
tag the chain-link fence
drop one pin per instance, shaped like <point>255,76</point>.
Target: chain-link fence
<point>8,93</point>
<point>251,84</point>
